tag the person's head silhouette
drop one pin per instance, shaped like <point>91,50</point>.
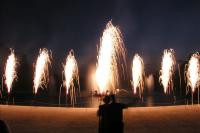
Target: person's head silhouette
<point>112,96</point>
<point>106,99</point>
<point>3,127</point>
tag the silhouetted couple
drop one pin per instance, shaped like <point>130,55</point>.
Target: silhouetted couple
<point>111,115</point>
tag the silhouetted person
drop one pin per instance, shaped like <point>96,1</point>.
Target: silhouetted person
<point>3,127</point>
<point>103,113</point>
<point>116,115</point>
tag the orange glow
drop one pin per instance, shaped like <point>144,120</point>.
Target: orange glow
<point>149,82</point>
<point>71,75</point>
<point>193,72</point>
<point>10,72</point>
<point>167,69</point>
<point>41,75</point>
<point>138,74</point>
<point>111,52</point>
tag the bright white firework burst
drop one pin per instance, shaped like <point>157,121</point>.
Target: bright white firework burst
<point>111,57</point>
<point>41,75</point>
<point>138,75</point>
<point>71,75</point>
<point>10,72</point>
<point>193,72</point>
<point>167,70</point>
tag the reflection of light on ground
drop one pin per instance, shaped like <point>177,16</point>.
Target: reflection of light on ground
<point>150,101</point>
<point>76,120</point>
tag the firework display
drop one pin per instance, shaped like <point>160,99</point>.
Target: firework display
<point>138,75</point>
<point>10,70</point>
<point>111,55</point>
<point>167,70</point>
<point>111,66</point>
<point>71,77</point>
<point>41,74</point>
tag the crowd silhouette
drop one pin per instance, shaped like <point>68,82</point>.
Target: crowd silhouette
<point>110,115</point>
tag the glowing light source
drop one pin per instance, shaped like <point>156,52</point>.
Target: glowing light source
<point>111,57</point>
<point>10,72</point>
<point>167,70</point>
<point>193,72</point>
<point>138,74</point>
<point>71,75</point>
<point>41,75</point>
<point>149,81</point>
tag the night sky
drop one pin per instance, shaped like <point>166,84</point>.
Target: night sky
<point>148,27</point>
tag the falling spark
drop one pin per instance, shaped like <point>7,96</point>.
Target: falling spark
<point>167,69</point>
<point>138,74</point>
<point>193,72</point>
<point>71,76</point>
<point>111,55</point>
<point>41,75</point>
<point>10,72</point>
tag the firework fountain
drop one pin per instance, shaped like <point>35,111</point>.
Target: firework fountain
<point>71,78</point>
<point>167,70</point>
<point>111,59</point>
<point>10,72</point>
<point>192,74</point>
<point>138,75</point>
<point>41,75</point>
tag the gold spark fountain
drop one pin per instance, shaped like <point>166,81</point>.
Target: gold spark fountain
<point>41,75</point>
<point>111,60</point>
<point>10,70</point>
<point>138,75</point>
<point>71,77</point>
<point>167,70</point>
<point>192,73</point>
